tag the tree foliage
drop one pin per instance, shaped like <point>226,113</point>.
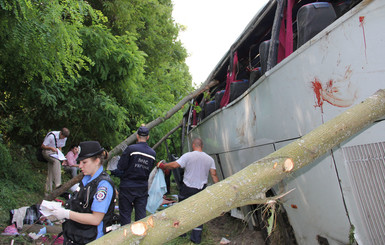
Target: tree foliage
<point>100,68</point>
<point>165,69</point>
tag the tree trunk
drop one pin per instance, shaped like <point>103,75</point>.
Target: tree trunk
<point>168,134</point>
<point>64,187</point>
<point>131,139</point>
<point>248,186</point>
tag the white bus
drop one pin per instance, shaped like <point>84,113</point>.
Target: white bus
<point>297,65</point>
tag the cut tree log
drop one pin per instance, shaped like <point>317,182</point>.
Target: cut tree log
<point>249,185</point>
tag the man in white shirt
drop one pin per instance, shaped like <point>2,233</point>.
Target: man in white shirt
<point>53,142</point>
<point>197,165</point>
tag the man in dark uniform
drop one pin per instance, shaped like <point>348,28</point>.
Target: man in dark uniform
<point>133,169</point>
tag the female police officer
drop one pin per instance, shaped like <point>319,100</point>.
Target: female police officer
<point>90,209</point>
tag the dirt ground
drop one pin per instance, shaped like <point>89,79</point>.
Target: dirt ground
<point>221,228</point>
<point>234,230</point>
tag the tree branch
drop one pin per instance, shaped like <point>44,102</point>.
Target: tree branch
<point>166,136</point>
<point>57,192</point>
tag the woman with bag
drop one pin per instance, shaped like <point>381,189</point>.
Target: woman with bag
<point>90,209</point>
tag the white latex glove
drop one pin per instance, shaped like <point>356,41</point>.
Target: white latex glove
<point>61,213</point>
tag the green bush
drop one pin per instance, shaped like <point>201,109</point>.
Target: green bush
<point>5,161</point>
<point>17,167</point>
<point>21,183</point>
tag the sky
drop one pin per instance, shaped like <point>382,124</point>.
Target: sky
<point>212,26</point>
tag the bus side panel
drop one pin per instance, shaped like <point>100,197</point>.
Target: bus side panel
<point>361,168</point>
<point>339,67</point>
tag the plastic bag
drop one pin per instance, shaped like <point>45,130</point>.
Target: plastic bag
<point>151,177</point>
<point>39,155</point>
<point>155,193</point>
<point>113,163</point>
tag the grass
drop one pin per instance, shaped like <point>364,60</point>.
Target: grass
<point>22,181</point>
<point>206,239</point>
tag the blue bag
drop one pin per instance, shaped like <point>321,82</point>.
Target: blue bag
<point>155,194</point>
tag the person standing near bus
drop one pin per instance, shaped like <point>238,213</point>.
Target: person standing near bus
<point>197,165</point>
<point>134,168</point>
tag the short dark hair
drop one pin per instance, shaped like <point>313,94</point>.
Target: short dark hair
<point>65,132</point>
<point>198,142</point>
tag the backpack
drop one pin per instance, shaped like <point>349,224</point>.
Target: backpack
<point>39,152</point>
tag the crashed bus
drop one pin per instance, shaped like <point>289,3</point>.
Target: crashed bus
<point>297,65</point>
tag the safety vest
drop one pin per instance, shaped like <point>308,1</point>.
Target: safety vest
<point>81,201</point>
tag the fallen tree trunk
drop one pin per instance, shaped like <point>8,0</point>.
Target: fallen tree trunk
<point>249,185</point>
<point>166,136</point>
<point>131,139</point>
<point>57,192</point>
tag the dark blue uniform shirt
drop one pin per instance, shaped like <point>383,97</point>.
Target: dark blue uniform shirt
<point>135,165</point>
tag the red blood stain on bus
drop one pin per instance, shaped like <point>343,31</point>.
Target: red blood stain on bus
<point>337,94</point>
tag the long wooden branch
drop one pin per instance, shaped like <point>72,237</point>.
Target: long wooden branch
<point>131,139</point>
<point>167,135</point>
<point>57,192</point>
<point>248,185</point>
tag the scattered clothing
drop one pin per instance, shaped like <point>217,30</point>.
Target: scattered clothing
<point>18,216</point>
<point>10,230</point>
<point>25,215</point>
<point>57,240</point>
<point>224,241</point>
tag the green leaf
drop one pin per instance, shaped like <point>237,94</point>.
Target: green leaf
<point>270,221</point>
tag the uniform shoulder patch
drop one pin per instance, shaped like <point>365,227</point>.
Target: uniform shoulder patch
<point>101,194</point>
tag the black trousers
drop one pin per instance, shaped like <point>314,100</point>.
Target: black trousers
<point>184,193</point>
<point>130,198</point>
